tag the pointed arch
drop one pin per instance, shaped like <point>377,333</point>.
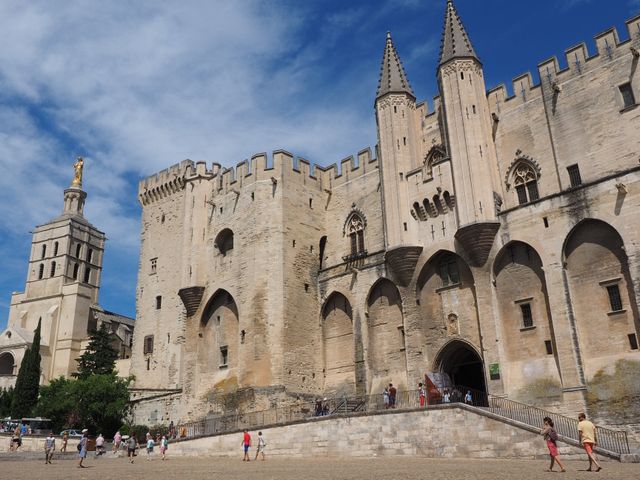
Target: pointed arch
<point>338,344</point>
<point>219,336</point>
<point>461,361</point>
<point>224,241</point>
<point>524,174</point>
<point>7,363</point>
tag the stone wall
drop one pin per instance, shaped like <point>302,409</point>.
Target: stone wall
<point>449,432</point>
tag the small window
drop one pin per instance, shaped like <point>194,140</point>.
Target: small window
<point>148,364</point>
<point>154,265</point>
<point>78,247</point>
<point>55,249</point>
<point>527,317</point>
<point>44,251</point>
<point>549,347</point>
<point>218,319</point>
<point>75,271</point>
<point>545,220</point>
<point>53,269</point>
<point>574,175</point>
<point>158,302</point>
<point>311,203</point>
<point>148,345</point>
<point>633,341</point>
<point>449,273</point>
<point>89,255</point>
<point>41,271</point>
<point>224,356</point>
<point>628,99</point>
<point>224,241</point>
<point>614,297</point>
<point>87,275</point>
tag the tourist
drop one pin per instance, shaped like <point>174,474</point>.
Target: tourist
<point>99,445</point>
<point>385,397</point>
<point>422,394</point>
<point>16,439</point>
<point>82,448</point>
<point>588,438</point>
<point>261,445</point>
<point>325,407</point>
<point>246,443</point>
<point>172,430</point>
<point>117,440</point>
<point>551,437</point>
<point>392,396</point>
<point>150,445</point>
<point>446,398</point>
<point>132,443</point>
<point>319,408</point>
<point>65,440</point>
<point>49,447</point>
<point>468,399</point>
<point>164,445</point>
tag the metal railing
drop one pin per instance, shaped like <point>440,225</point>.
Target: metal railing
<point>610,440</point>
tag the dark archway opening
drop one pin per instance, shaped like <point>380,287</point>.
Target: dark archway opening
<point>463,366</point>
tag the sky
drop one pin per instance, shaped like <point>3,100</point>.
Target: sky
<point>137,86</point>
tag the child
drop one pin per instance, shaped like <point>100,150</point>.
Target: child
<point>150,445</point>
<point>164,444</point>
<point>261,445</point>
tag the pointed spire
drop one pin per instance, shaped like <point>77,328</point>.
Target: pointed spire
<point>455,41</point>
<point>392,76</point>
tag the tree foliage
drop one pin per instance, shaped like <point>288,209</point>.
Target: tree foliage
<point>97,402</point>
<point>25,394</point>
<point>100,357</point>
<point>6,395</point>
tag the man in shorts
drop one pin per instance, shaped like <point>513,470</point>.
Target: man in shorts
<point>246,443</point>
<point>49,447</point>
<point>587,433</point>
<point>261,444</point>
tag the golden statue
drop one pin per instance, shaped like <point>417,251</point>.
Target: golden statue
<point>77,172</point>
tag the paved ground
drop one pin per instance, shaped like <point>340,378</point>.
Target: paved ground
<point>396,468</point>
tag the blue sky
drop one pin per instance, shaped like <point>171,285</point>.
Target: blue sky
<point>138,86</point>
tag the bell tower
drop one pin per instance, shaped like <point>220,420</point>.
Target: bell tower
<point>467,125</point>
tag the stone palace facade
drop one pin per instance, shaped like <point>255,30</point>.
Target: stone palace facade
<point>491,237</point>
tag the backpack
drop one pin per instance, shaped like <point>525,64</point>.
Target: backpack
<point>553,435</point>
<point>79,446</point>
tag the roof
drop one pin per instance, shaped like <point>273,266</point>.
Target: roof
<point>110,317</point>
<point>392,76</point>
<point>455,41</point>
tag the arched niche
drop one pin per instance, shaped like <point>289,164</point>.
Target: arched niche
<point>338,344</point>
<point>523,304</point>
<point>385,328</point>
<point>461,362</point>
<point>224,241</point>
<point>445,287</point>
<point>219,335</point>
<point>7,363</point>
<point>600,287</point>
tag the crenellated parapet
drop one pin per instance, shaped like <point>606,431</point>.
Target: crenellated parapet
<point>164,183</point>
<point>578,62</point>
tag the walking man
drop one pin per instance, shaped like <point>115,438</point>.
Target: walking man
<point>588,438</point>
<point>49,447</point>
<point>261,445</point>
<point>246,443</point>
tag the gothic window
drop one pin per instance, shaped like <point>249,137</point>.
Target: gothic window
<point>53,269</point>
<point>355,230</point>
<point>448,270</point>
<point>224,241</point>
<point>44,251</point>
<point>41,271</point>
<point>525,179</point>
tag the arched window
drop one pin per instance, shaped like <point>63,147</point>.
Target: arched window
<point>78,247</point>
<point>87,275</point>
<point>224,241</point>
<point>6,364</point>
<point>89,255</point>
<point>44,251</point>
<point>75,271</point>
<point>55,249</point>
<point>41,271</point>
<point>53,269</point>
<point>525,179</point>
<point>438,204</point>
<point>355,230</point>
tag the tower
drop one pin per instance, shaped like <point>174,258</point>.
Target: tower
<point>395,115</point>
<point>63,282</point>
<point>468,137</point>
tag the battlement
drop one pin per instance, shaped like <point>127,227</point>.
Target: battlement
<point>280,166</point>
<point>609,48</point>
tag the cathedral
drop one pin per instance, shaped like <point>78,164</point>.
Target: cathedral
<point>491,237</point>
<point>61,294</point>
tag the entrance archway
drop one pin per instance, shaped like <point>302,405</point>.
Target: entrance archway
<point>460,361</point>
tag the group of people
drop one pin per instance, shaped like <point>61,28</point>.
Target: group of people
<point>389,396</point>
<point>586,434</point>
<point>246,445</point>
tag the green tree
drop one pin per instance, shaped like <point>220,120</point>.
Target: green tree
<point>100,357</point>
<point>6,395</point>
<point>58,403</point>
<point>25,394</point>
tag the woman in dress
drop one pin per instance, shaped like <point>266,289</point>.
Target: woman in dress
<point>82,448</point>
<point>551,437</point>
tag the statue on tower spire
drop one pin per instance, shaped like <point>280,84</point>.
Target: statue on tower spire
<point>77,172</point>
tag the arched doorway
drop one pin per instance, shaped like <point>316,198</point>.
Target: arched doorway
<point>460,361</point>
<point>339,347</point>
